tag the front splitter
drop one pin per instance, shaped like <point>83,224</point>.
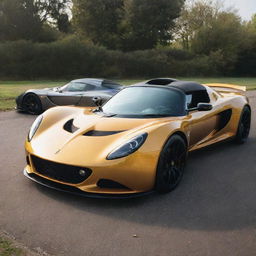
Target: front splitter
<point>75,191</point>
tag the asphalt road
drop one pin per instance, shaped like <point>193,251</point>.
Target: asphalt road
<point>212,212</point>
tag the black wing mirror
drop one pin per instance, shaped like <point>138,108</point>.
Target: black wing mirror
<point>98,101</point>
<point>204,107</point>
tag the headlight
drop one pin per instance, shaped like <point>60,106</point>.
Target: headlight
<point>128,148</point>
<point>34,127</point>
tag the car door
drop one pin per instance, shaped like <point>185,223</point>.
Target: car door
<point>71,95</point>
<point>202,123</point>
<point>65,98</point>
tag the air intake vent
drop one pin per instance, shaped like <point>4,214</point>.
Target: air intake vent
<point>103,183</point>
<point>225,117</point>
<point>61,172</point>
<point>161,81</point>
<point>101,133</point>
<point>69,126</point>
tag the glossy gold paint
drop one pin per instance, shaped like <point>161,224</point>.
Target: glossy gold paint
<point>137,171</point>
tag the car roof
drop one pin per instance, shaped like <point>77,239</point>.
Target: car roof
<point>95,81</point>
<point>186,86</point>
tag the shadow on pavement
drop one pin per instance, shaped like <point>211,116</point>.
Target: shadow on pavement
<point>217,193</point>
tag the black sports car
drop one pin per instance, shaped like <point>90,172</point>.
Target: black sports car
<point>78,92</point>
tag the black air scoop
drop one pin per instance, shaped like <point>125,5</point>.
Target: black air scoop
<point>101,133</point>
<point>69,126</point>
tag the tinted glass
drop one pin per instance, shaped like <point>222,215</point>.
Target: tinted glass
<point>77,87</point>
<point>197,97</point>
<point>109,85</point>
<point>146,101</point>
<point>188,100</point>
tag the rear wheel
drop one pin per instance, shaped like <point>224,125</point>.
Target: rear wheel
<point>32,104</point>
<point>244,126</point>
<point>171,164</point>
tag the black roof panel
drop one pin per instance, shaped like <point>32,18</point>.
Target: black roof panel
<point>188,87</point>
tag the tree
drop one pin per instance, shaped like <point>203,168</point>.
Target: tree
<point>205,28</point>
<point>221,41</point>
<point>246,64</point>
<point>54,12</point>
<point>148,23</point>
<point>19,20</point>
<point>224,33</point>
<point>194,16</point>
<point>99,20</point>
<point>127,24</point>
<point>26,19</point>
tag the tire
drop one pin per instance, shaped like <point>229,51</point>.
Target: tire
<point>32,104</point>
<point>244,126</point>
<point>171,164</point>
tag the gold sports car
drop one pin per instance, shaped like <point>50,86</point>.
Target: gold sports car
<point>138,141</point>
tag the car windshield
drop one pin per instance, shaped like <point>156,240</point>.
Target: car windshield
<point>146,102</point>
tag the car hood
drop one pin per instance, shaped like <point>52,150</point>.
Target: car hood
<point>87,137</point>
<point>40,92</point>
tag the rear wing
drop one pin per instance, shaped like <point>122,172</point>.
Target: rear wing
<point>227,88</point>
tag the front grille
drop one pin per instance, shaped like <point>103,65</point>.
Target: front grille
<point>61,172</point>
<point>104,183</point>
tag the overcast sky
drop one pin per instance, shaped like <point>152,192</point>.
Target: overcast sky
<point>245,7</point>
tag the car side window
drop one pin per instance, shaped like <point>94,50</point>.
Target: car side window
<point>188,100</point>
<point>80,87</point>
<point>196,97</point>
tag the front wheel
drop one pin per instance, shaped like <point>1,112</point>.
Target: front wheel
<point>244,126</point>
<point>171,164</point>
<point>32,104</point>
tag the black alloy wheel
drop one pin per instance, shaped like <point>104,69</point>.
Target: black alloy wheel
<point>32,104</point>
<point>171,164</point>
<point>244,126</point>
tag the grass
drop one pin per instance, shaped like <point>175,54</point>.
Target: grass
<point>7,248</point>
<point>9,90</point>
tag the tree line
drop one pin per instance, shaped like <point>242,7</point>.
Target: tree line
<point>124,38</point>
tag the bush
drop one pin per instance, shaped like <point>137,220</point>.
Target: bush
<point>72,57</point>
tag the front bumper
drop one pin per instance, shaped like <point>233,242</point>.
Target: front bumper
<point>18,101</point>
<point>73,190</point>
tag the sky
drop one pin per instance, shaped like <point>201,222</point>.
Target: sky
<point>246,8</point>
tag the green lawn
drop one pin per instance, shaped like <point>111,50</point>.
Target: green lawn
<point>9,90</point>
<point>7,248</point>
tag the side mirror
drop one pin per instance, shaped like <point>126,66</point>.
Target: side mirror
<point>57,89</point>
<point>98,101</point>
<point>204,107</point>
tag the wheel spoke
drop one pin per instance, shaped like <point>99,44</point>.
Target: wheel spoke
<point>31,104</point>
<point>174,159</point>
<point>245,125</point>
